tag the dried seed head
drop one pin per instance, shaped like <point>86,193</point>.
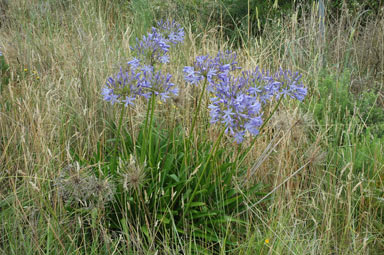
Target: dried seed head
<point>76,186</point>
<point>133,174</point>
<point>315,155</point>
<point>295,122</point>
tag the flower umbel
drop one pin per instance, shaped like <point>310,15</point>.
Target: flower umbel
<point>232,106</point>
<point>158,84</point>
<point>151,48</point>
<point>171,31</point>
<point>123,87</point>
<point>268,86</point>
<point>211,69</point>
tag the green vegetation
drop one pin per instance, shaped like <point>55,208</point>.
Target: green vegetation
<point>78,176</point>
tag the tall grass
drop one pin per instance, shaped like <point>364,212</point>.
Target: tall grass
<point>320,164</point>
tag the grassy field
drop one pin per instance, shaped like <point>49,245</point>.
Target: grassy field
<point>80,176</point>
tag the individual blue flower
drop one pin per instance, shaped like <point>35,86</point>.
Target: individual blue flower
<point>109,96</point>
<point>253,124</point>
<point>164,59</point>
<point>128,101</point>
<point>147,69</point>
<point>106,93</point>
<point>298,92</point>
<point>211,75</point>
<point>192,76</point>
<point>206,66</point>
<point>134,63</point>
<point>227,117</point>
<point>114,99</point>
<point>260,84</point>
<point>239,136</point>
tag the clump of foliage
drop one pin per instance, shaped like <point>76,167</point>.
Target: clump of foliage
<point>162,177</point>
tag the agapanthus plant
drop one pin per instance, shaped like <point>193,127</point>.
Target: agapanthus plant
<point>144,77</point>
<point>236,103</point>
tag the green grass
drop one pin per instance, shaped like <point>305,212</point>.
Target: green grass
<point>312,184</point>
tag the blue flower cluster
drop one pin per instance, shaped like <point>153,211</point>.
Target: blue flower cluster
<point>235,108</point>
<point>171,31</point>
<point>126,86</point>
<point>237,101</point>
<point>141,78</point>
<point>152,48</point>
<point>211,69</point>
<point>123,87</point>
<point>157,83</point>
<point>237,97</point>
<point>267,86</point>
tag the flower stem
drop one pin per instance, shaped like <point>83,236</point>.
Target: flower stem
<point>212,152</point>
<point>198,108</point>
<point>143,139</point>
<point>190,137</point>
<point>132,132</point>
<point>120,123</point>
<point>153,103</point>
